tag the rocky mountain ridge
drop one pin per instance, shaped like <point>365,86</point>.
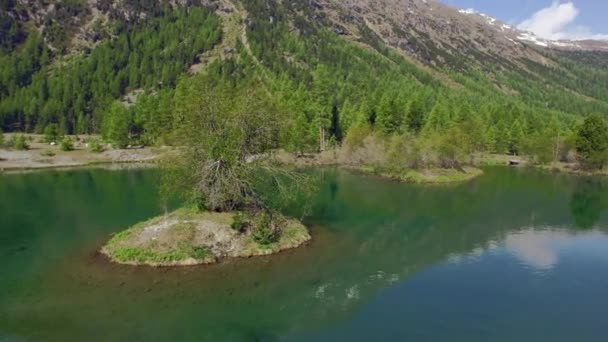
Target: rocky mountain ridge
<point>427,29</point>
<point>436,33</point>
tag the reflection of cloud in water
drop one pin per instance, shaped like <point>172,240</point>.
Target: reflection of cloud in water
<point>539,249</point>
<point>473,255</point>
<point>320,292</point>
<point>353,292</point>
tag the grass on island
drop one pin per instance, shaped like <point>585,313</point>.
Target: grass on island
<point>121,250</point>
<point>188,237</point>
<point>426,176</point>
<point>572,168</point>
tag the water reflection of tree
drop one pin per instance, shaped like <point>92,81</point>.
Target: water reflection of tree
<point>587,204</point>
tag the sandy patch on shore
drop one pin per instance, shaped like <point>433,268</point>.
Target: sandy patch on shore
<point>42,155</point>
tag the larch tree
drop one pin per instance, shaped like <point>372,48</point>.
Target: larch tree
<point>225,139</point>
<point>592,142</point>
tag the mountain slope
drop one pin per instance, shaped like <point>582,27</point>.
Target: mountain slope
<point>398,65</point>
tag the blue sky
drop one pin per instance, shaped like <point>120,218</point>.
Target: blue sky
<point>553,19</point>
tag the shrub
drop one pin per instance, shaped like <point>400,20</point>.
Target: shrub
<point>265,231</point>
<point>95,146</point>
<point>47,153</point>
<point>540,147</point>
<point>403,152</point>
<point>449,153</point>
<point>356,136</point>
<point>239,222</point>
<point>51,133</point>
<point>66,144</point>
<point>200,253</point>
<point>1,138</point>
<point>371,151</point>
<point>20,143</point>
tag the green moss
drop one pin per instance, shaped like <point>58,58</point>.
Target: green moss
<point>121,236</point>
<point>143,255</point>
<point>125,234</point>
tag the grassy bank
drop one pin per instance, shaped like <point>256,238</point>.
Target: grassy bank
<point>187,237</point>
<point>427,176</point>
<point>337,158</point>
<point>573,169</point>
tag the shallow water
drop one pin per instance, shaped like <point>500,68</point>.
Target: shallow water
<point>514,255</point>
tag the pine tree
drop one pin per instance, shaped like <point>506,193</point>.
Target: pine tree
<point>299,135</point>
<point>554,132</point>
<point>386,119</point>
<point>116,125</point>
<point>324,95</point>
<point>592,142</point>
<point>51,133</point>
<point>438,119</point>
<point>81,124</point>
<point>516,137</point>
<point>415,115</point>
<point>492,140</point>
<point>475,129</point>
<point>348,115</point>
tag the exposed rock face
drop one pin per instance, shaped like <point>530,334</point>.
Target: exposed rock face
<point>438,34</point>
<point>426,29</point>
<point>72,26</point>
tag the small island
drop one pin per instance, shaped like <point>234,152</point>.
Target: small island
<point>230,186</point>
<point>424,176</point>
<point>189,237</point>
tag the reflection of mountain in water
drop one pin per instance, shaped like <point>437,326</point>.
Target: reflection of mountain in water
<point>587,203</point>
<point>368,235</point>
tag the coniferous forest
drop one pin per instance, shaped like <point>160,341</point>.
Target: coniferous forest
<point>328,90</point>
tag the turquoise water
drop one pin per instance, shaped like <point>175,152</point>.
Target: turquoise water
<point>515,255</point>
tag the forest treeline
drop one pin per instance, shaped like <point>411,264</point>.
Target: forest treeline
<point>76,92</point>
<point>328,91</point>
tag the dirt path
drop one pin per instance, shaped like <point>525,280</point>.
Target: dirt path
<point>234,22</point>
<point>232,26</point>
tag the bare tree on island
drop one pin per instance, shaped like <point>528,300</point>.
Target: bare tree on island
<point>224,160</point>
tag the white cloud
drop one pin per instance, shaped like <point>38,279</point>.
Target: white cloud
<point>557,21</point>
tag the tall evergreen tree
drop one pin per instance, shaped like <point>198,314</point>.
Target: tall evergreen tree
<point>592,142</point>
<point>116,125</point>
<point>415,115</point>
<point>516,137</point>
<point>439,118</point>
<point>387,119</point>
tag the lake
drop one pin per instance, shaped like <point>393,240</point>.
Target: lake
<point>515,255</point>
